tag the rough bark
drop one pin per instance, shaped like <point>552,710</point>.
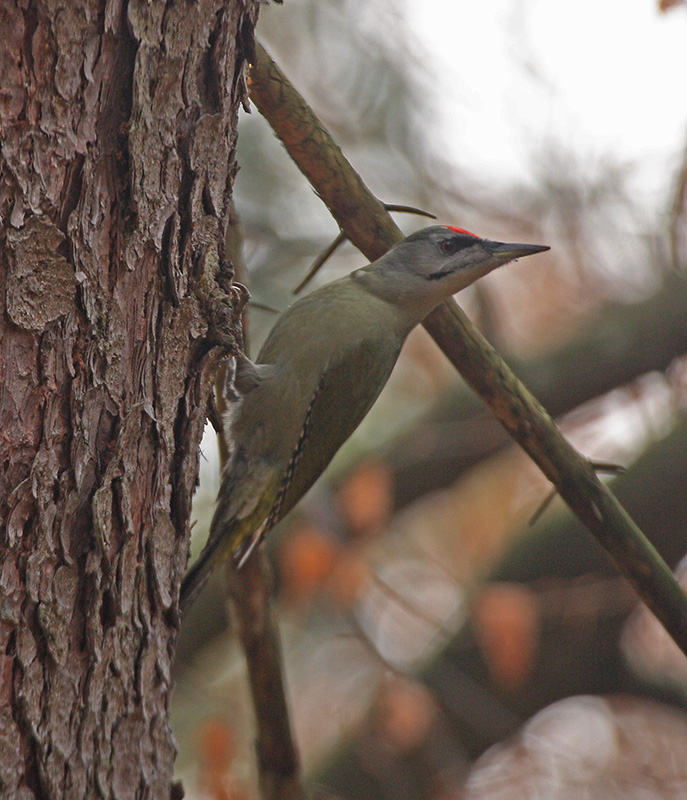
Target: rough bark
<point>117,123</point>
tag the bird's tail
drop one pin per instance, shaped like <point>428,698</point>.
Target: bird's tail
<point>220,546</point>
<point>194,580</point>
<point>236,540</point>
<point>217,550</point>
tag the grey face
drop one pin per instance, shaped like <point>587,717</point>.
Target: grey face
<point>433,264</point>
<point>454,248</point>
<point>442,253</point>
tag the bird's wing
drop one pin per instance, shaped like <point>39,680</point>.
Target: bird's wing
<point>345,393</point>
<point>255,496</point>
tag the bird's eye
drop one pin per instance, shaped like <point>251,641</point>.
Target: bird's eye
<point>449,246</point>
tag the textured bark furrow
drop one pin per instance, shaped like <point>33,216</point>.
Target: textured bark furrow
<point>117,124</point>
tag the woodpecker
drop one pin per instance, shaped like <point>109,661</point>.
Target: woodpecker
<point>318,374</point>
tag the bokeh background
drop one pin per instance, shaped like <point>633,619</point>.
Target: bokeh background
<point>436,644</point>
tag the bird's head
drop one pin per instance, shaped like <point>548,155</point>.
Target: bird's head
<point>436,262</point>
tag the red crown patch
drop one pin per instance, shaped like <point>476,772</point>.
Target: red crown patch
<point>461,230</point>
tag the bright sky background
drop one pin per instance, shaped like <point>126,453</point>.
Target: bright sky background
<point>603,77</point>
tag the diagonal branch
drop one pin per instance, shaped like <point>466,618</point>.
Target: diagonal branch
<point>368,225</point>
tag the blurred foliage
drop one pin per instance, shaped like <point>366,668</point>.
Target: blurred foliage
<point>338,55</point>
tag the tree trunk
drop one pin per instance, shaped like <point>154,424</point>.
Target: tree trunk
<point>118,130</point>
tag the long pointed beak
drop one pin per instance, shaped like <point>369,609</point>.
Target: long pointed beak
<point>505,251</point>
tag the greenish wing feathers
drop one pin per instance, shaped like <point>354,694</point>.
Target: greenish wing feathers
<point>347,390</point>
